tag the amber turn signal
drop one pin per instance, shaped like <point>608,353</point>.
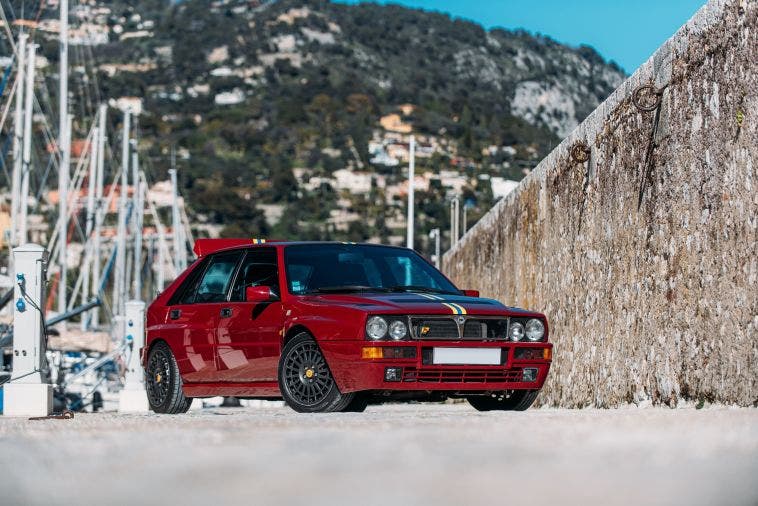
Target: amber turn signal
<point>547,354</point>
<point>372,352</point>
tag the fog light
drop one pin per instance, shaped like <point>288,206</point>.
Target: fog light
<point>528,354</point>
<point>399,352</point>
<point>393,374</point>
<point>530,375</point>
<point>372,352</point>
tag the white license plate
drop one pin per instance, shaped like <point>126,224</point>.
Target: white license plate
<point>466,356</point>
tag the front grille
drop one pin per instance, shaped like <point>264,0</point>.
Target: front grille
<point>452,375</point>
<point>439,328</point>
<point>447,328</point>
<point>488,328</point>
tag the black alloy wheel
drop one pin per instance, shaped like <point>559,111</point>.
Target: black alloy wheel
<point>305,381</point>
<point>163,382</point>
<point>512,400</point>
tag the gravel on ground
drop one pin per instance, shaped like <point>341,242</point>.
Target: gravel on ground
<point>401,454</point>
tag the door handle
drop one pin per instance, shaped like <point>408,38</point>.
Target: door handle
<point>174,314</point>
<point>226,312</point>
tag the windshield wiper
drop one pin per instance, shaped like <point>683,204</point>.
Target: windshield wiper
<point>346,289</point>
<point>418,288</point>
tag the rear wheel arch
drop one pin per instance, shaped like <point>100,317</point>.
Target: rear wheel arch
<point>163,381</point>
<point>149,347</point>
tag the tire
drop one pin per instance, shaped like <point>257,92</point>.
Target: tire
<point>516,400</point>
<point>305,381</point>
<point>163,382</point>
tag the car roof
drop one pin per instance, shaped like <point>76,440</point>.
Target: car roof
<point>205,247</point>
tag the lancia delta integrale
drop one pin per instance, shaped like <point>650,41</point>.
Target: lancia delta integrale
<point>334,327</point>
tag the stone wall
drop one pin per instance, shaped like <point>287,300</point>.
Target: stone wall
<point>644,258</point>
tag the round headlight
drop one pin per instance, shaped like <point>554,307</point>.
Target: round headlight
<point>516,333</point>
<point>376,327</point>
<point>398,330</point>
<point>534,329</point>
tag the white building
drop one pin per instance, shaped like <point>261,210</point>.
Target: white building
<point>133,104</point>
<point>236,96</point>
<point>355,182</point>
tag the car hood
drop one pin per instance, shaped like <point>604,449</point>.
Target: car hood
<point>416,303</point>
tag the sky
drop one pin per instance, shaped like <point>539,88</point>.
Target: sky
<point>625,31</point>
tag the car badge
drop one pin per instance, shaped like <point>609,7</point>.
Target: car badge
<point>425,330</point>
<point>461,320</point>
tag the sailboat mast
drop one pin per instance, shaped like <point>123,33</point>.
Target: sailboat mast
<point>100,211</point>
<point>18,136</point>
<point>27,148</point>
<point>119,287</point>
<point>64,141</point>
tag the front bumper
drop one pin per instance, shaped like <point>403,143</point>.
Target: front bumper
<point>353,373</point>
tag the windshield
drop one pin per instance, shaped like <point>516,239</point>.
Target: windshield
<point>344,268</point>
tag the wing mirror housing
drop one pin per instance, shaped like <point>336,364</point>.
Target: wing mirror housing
<point>260,294</point>
<point>471,293</point>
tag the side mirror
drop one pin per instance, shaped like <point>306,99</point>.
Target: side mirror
<point>259,294</point>
<point>471,293</point>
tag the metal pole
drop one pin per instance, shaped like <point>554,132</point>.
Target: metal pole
<point>457,204</point>
<point>435,234</point>
<point>92,181</point>
<point>176,222</point>
<point>135,179</point>
<point>452,223</point>
<point>161,275</point>
<point>138,212</point>
<point>437,248</point>
<point>136,226</point>
<point>87,291</point>
<point>64,145</point>
<point>27,154</point>
<point>100,211</point>
<point>18,136</point>
<point>411,191</point>
<point>119,286</point>
<point>151,261</point>
<point>63,218</point>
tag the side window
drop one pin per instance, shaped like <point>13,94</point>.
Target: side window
<point>185,294</point>
<point>217,278</point>
<point>259,268</point>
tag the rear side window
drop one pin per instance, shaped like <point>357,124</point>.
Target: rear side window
<point>217,278</point>
<point>185,294</point>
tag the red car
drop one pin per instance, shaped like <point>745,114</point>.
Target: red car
<point>333,327</point>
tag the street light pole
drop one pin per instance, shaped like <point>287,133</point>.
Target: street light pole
<point>435,234</point>
<point>411,191</point>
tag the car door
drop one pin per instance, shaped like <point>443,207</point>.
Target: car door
<point>196,315</point>
<point>249,335</point>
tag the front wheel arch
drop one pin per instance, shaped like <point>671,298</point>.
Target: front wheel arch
<point>294,331</point>
<point>302,354</point>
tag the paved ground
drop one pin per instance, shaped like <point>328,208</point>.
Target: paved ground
<point>391,455</point>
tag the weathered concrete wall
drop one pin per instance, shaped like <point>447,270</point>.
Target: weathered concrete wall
<point>655,300</point>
